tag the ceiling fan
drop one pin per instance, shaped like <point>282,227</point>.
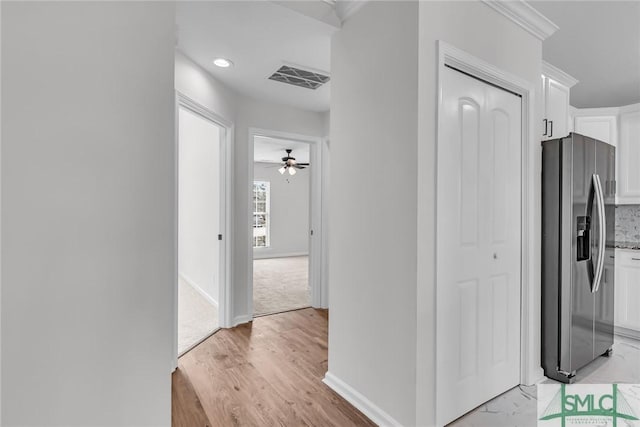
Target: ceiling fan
<point>291,164</point>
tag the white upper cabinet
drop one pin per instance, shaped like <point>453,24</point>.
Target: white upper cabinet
<point>620,127</point>
<point>557,109</point>
<point>600,124</point>
<point>628,153</point>
<point>555,101</point>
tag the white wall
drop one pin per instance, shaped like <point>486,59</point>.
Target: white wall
<point>373,207</point>
<point>197,84</point>
<point>484,33</point>
<point>87,213</point>
<point>263,115</point>
<point>245,113</point>
<point>289,227</point>
<point>199,203</point>
<point>382,283</point>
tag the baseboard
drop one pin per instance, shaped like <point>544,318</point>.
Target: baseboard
<point>364,405</point>
<point>238,320</point>
<point>199,290</point>
<point>267,255</point>
<point>626,332</point>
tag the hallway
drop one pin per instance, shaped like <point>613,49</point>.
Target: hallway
<point>268,372</point>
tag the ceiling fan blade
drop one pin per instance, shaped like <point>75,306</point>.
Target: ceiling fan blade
<point>303,164</point>
<point>299,167</point>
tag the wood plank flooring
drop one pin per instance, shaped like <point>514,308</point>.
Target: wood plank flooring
<point>265,373</point>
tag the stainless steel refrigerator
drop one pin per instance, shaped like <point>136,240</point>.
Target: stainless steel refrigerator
<point>578,226</point>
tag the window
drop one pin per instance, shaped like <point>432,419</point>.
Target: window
<point>261,199</point>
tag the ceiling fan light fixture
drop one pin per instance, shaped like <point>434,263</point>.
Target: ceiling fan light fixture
<point>292,171</point>
<point>282,169</point>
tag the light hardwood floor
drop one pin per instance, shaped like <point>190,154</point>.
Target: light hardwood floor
<point>266,373</point>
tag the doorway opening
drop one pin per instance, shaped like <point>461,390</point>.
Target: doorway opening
<point>285,176</point>
<point>201,224</point>
<point>281,230</point>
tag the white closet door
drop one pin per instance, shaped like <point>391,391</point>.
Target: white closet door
<point>478,267</point>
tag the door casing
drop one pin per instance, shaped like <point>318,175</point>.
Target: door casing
<point>448,55</point>
<point>317,221</point>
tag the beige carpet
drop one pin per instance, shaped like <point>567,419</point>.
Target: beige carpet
<point>197,317</point>
<point>280,284</point>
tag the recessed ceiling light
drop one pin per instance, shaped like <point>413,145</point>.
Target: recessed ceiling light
<point>222,62</point>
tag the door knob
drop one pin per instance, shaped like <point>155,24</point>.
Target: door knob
<point>495,255</point>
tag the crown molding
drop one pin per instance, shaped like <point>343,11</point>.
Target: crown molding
<point>604,111</point>
<point>631,108</point>
<point>345,9</point>
<point>523,14</point>
<point>558,75</point>
<point>323,11</point>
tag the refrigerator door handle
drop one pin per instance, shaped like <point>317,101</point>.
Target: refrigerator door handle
<point>602,233</point>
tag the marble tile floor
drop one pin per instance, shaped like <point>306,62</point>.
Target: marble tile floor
<point>518,406</point>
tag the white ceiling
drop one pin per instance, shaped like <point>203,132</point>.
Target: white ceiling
<point>598,43</point>
<point>271,150</point>
<point>259,37</point>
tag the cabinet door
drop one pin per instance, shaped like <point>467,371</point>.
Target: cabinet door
<point>543,108</point>
<point>557,109</point>
<point>608,279</point>
<point>627,290</point>
<point>602,128</point>
<point>629,158</point>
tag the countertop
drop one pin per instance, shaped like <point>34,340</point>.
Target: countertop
<point>628,245</point>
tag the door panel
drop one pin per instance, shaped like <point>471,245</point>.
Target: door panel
<point>602,128</point>
<point>478,270</point>
<point>629,153</point>
<point>469,141</point>
<point>557,109</point>
<point>627,282</point>
<point>604,298</point>
<point>501,169</point>
<point>200,201</point>
<point>582,300</point>
<point>499,318</point>
<point>467,333</point>
<point>627,294</point>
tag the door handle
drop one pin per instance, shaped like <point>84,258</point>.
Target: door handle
<point>551,127</point>
<point>602,232</point>
<point>545,127</point>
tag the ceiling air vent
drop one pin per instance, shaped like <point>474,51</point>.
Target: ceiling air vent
<point>297,77</point>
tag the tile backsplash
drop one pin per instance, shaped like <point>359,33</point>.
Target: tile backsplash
<point>628,223</point>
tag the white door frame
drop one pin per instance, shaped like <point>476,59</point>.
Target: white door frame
<point>448,55</point>
<point>317,263</point>
<point>226,217</point>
